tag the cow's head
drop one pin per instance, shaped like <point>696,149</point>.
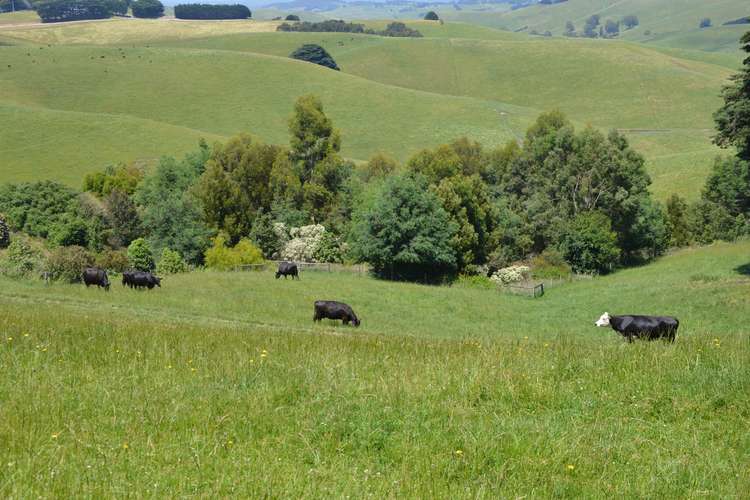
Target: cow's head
<point>603,320</point>
<point>157,280</point>
<point>278,273</point>
<point>356,321</point>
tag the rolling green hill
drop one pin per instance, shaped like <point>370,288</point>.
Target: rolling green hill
<point>220,93</point>
<point>659,17</point>
<point>393,95</point>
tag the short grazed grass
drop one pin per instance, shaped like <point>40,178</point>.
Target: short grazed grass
<point>153,394</point>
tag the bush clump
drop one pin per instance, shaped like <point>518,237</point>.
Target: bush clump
<point>66,264</point>
<point>210,11</point>
<point>4,233</point>
<point>550,264</point>
<point>20,259</point>
<point>315,54</point>
<point>140,256</point>
<point>171,262</point>
<point>512,274</point>
<point>224,258</point>
<point>113,260</point>
<point>147,8</point>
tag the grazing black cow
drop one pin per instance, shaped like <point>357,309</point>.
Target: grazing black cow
<point>334,310</point>
<point>642,327</point>
<point>140,279</point>
<point>96,276</point>
<point>287,269</point>
<point>127,278</point>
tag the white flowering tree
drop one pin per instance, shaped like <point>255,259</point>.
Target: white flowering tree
<point>302,242</point>
<point>512,274</point>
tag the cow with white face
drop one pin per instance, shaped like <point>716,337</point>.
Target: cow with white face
<point>642,327</point>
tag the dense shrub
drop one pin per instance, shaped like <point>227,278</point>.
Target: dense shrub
<point>124,178</point>
<point>431,16</point>
<point>398,29</point>
<point>331,25</point>
<point>314,54</point>
<point>72,232</point>
<point>405,233</point>
<point>224,258</point>
<point>20,259</point>
<point>66,264</point>
<point>329,249</point>
<point>147,8</point>
<point>51,11</point>
<point>171,262</point>
<point>550,264</point>
<point>264,235</point>
<point>337,26</point>
<point>291,17</point>
<point>589,244</point>
<point>210,11</point>
<point>10,5</point>
<point>303,243</point>
<point>705,23</point>
<point>630,21</point>
<point>113,260</point>
<point>169,210</point>
<point>37,208</point>
<point>140,256</point>
<point>512,274</point>
<point>4,233</point>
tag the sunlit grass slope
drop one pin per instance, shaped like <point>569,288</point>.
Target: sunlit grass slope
<point>213,79</point>
<point>220,93</point>
<point>219,384</point>
<point>658,16</point>
<point>39,143</point>
<point>705,288</point>
<point>20,17</point>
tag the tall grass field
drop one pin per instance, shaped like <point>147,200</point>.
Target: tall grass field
<point>220,384</point>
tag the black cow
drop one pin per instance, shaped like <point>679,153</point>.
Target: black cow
<point>96,276</point>
<point>334,310</point>
<point>127,278</point>
<point>287,269</point>
<point>140,279</point>
<point>642,327</point>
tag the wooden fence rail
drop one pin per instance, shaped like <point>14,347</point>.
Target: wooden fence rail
<point>309,266</point>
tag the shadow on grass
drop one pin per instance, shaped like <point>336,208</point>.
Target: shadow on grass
<point>743,269</point>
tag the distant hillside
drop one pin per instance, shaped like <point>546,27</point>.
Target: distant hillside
<point>656,17</point>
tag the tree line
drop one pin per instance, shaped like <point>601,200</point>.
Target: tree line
<point>394,29</point>
<point>211,11</point>
<point>51,11</point>
<point>561,198</point>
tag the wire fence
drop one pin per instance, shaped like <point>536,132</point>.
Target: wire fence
<point>329,267</point>
<point>529,289</point>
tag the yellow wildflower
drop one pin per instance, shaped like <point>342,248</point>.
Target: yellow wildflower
<point>459,453</point>
<point>571,466</point>
<point>55,435</point>
<point>125,446</point>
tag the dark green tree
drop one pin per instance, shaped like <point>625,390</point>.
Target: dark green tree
<point>147,8</point>
<point>315,54</point>
<point>705,23</point>
<point>431,16</point>
<point>405,233</point>
<point>313,137</point>
<point>140,255</point>
<point>4,233</point>
<point>292,17</point>
<point>677,218</point>
<point>123,218</point>
<point>170,212</point>
<point>733,118</point>
<point>630,21</point>
<point>589,244</point>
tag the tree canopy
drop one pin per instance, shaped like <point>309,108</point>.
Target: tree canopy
<point>314,54</point>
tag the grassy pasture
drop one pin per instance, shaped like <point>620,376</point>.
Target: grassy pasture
<point>441,392</point>
<point>20,17</point>
<point>220,93</point>
<point>162,79</point>
<point>656,16</point>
